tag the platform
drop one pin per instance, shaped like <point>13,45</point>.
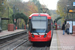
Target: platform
<point>62,42</point>
<point>54,43</point>
<point>6,33</point>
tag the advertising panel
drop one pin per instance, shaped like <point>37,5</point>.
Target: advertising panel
<point>70,28</point>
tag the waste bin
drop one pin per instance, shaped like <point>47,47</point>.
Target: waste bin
<point>10,27</point>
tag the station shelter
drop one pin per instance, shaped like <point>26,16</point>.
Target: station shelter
<point>72,25</point>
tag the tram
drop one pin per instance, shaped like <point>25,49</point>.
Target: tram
<point>40,28</point>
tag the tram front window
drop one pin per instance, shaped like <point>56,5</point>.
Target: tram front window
<point>39,26</point>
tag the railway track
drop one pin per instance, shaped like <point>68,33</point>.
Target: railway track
<point>40,48</point>
<point>12,41</point>
<point>30,48</point>
<point>19,45</point>
<point>23,46</point>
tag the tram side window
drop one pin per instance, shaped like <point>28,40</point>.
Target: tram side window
<point>49,26</point>
<point>30,26</point>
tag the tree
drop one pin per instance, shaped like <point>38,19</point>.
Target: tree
<point>62,7</point>
<point>26,8</point>
<point>39,6</point>
<point>2,5</point>
<point>57,19</point>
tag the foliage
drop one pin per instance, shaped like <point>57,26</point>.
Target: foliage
<point>62,8</point>
<point>10,15</point>
<point>20,15</point>
<point>53,14</point>
<point>25,7</point>
<point>21,9</point>
<point>57,19</point>
<point>39,6</point>
<point>2,7</point>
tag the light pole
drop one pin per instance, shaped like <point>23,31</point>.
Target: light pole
<point>8,14</point>
<point>14,11</point>
<point>14,20</point>
<point>0,25</point>
<point>1,19</point>
<point>67,10</point>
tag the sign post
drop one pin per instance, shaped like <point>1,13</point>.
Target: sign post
<point>0,25</point>
<point>1,22</point>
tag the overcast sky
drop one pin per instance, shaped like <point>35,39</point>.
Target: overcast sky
<point>51,4</point>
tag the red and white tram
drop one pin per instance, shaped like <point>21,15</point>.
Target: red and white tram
<point>40,28</point>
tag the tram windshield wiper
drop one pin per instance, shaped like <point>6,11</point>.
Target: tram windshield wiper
<point>37,33</point>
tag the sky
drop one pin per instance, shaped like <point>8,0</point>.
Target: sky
<point>51,4</point>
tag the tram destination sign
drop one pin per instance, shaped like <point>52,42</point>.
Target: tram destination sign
<point>39,18</point>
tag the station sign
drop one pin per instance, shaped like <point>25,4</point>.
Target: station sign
<point>73,3</point>
<point>71,11</point>
<point>14,20</point>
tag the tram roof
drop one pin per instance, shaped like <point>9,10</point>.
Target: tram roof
<point>40,14</point>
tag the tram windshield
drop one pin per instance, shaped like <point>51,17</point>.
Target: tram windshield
<point>39,24</point>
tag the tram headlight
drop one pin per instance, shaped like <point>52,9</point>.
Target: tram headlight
<point>45,35</point>
<point>32,35</point>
